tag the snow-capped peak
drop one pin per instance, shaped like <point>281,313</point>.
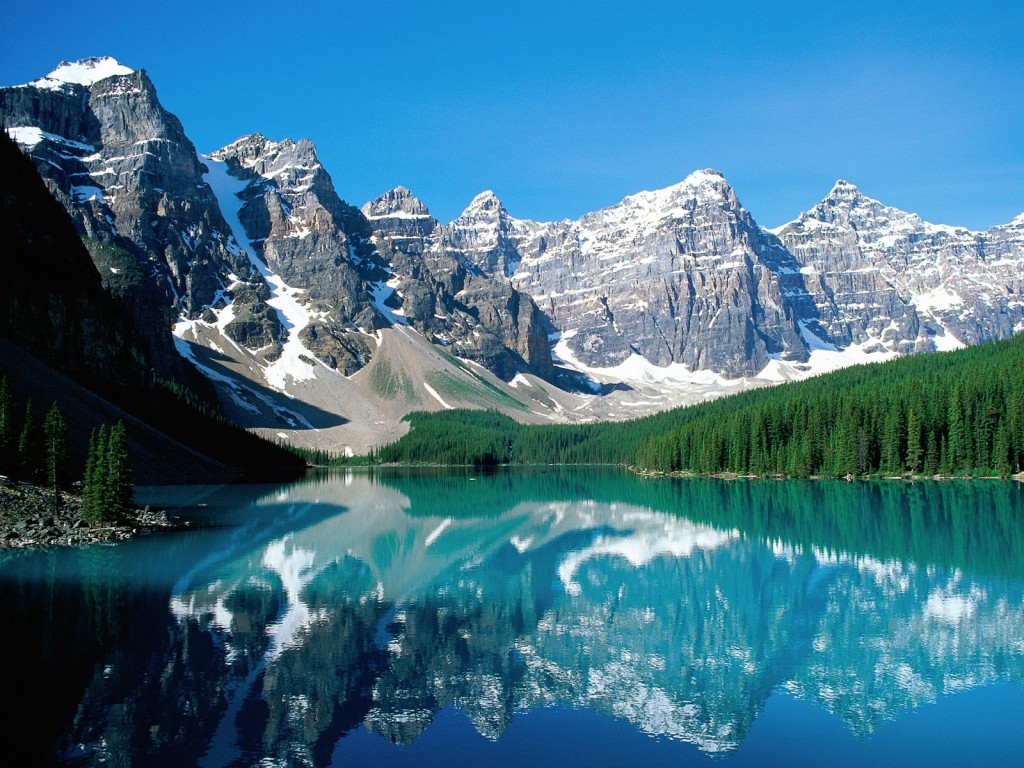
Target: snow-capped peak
<point>484,203</point>
<point>704,176</point>
<point>1018,221</point>
<point>843,188</point>
<point>242,142</point>
<point>82,72</point>
<point>659,204</point>
<point>396,203</point>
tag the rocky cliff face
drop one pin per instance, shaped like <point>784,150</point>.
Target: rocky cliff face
<point>680,275</point>
<point>252,241</point>
<point>125,171</point>
<point>685,275</point>
<point>305,234</point>
<point>887,279</point>
<point>441,291</point>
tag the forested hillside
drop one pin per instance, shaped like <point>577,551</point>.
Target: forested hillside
<point>956,413</point>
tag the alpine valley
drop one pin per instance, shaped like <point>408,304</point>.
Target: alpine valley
<point>323,324</point>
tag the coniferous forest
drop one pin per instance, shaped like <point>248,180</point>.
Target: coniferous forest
<point>954,413</point>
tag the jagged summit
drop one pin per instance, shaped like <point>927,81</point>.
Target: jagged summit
<point>242,143</point>
<point>705,176</point>
<point>843,188</point>
<point>485,201</point>
<point>270,158</point>
<point>82,72</point>
<point>700,184</point>
<point>396,203</point>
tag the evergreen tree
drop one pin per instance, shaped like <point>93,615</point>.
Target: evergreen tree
<point>1001,451</point>
<point>931,454</point>
<point>7,457</point>
<point>30,465</point>
<point>914,452</point>
<point>90,504</point>
<point>956,450</point>
<point>119,471</point>
<point>55,436</point>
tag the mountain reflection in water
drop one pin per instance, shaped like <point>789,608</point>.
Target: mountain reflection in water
<point>678,607</point>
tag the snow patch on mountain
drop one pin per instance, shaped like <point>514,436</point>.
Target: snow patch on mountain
<point>380,292</point>
<point>638,370</point>
<point>83,72</point>
<point>29,136</point>
<point>296,362</point>
<point>825,357</point>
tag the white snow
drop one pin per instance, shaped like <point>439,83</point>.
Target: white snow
<point>638,369</point>
<point>947,342</point>
<point>83,72</point>
<point>29,136</point>
<point>433,393</point>
<point>937,298</point>
<point>398,215</point>
<point>825,357</point>
<point>291,311</point>
<point>379,293</point>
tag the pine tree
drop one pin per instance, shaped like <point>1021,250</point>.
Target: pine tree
<point>29,463</point>
<point>1001,451</point>
<point>914,452</point>
<point>55,436</point>
<point>6,428</point>
<point>931,455</point>
<point>89,504</point>
<point>95,485</point>
<point>956,452</point>
<point>119,471</point>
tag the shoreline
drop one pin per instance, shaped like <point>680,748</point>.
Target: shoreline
<point>1019,476</point>
<point>28,521</point>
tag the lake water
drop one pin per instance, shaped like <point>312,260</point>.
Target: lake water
<point>541,618</point>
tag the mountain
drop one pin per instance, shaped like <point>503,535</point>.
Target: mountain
<point>52,301</point>
<point>65,339</point>
<point>129,177</point>
<point>274,286</point>
<point>441,291</point>
<point>284,296</point>
<point>680,275</point>
<point>886,279</point>
<point>305,235</point>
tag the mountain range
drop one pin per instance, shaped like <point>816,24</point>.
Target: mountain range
<point>323,324</point>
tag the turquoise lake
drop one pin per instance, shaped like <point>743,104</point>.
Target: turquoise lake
<point>541,618</point>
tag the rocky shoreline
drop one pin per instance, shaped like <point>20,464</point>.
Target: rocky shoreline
<point>27,519</point>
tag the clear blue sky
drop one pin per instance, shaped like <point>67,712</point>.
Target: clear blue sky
<point>566,107</point>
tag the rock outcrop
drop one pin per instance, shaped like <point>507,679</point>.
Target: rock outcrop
<point>440,290</point>
<point>304,233</point>
<point>887,279</point>
<point>125,171</point>
<point>680,275</point>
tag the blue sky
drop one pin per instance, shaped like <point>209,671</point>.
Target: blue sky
<point>565,107</point>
